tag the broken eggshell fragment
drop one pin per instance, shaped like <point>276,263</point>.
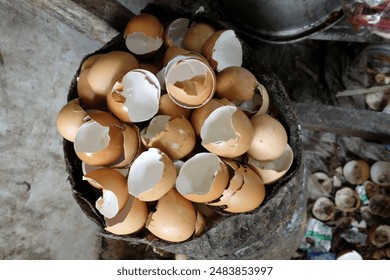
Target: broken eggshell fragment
<point>380,173</point>
<point>245,191</point>
<point>324,209</point>
<point>189,81</point>
<point>174,136</point>
<point>114,190</point>
<point>144,34</point>
<point>195,36</point>
<point>223,49</point>
<point>174,32</point>
<point>130,219</point>
<point>170,108</point>
<point>347,200</point>
<point>99,141</point>
<point>356,171</point>
<point>136,97</point>
<point>174,219</point>
<point>202,178</point>
<point>227,132</point>
<point>151,175</point>
<point>271,171</point>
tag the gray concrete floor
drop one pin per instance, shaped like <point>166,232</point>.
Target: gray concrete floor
<point>39,219</point>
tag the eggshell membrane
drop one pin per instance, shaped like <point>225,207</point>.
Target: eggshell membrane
<point>87,95</point>
<point>227,132</point>
<point>111,182</point>
<point>196,36</point>
<point>69,119</point>
<point>151,175</point>
<point>190,82</point>
<point>131,146</point>
<point>202,178</point>
<point>174,136</point>
<point>88,62</point>
<point>130,219</point>
<point>136,97</point>
<point>170,108</point>
<point>236,83</point>
<point>223,49</point>
<point>245,191</point>
<point>174,219</point>
<point>271,171</point>
<point>144,34</point>
<point>269,138</point>
<point>100,140</point>
<point>109,68</point>
<point>174,32</point>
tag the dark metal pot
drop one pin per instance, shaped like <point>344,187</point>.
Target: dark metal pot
<point>281,20</point>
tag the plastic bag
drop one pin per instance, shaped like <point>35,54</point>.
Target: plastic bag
<point>369,16</point>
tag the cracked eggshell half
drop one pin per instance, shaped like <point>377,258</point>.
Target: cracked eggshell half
<point>356,171</point>
<point>144,34</point>
<point>130,219</point>
<point>173,136</point>
<point>151,175</point>
<point>245,191</point>
<point>132,146</point>
<point>202,178</point>
<point>99,141</point>
<point>114,190</point>
<point>136,97</point>
<point>174,32</point>
<point>380,173</point>
<point>259,104</point>
<point>271,171</point>
<point>227,132</point>
<point>70,118</point>
<point>174,219</point>
<point>223,49</point>
<point>269,138</point>
<point>108,69</point>
<point>189,81</point>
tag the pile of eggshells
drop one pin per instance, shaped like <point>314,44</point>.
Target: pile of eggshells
<point>177,133</point>
<point>356,188</point>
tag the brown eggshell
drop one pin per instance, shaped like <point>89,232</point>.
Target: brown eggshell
<point>223,49</point>
<point>109,180</point>
<point>190,82</point>
<point>89,61</point>
<point>202,178</point>
<point>172,52</point>
<point>200,224</point>
<point>236,83</point>
<point>227,132</point>
<point>196,36</point>
<point>89,147</point>
<point>151,175</point>
<point>69,119</point>
<point>245,192</point>
<point>131,146</point>
<point>149,67</point>
<point>109,68</point>
<point>87,95</point>
<point>170,108</point>
<point>174,136</point>
<point>174,219</point>
<point>271,171</point>
<point>174,32</point>
<point>130,219</point>
<point>136,97</point>
<point>269,138</point>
